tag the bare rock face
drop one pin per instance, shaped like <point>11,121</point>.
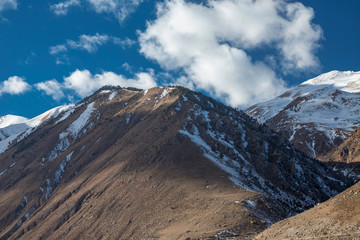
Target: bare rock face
<point>317,115</point>
<point>162,163</point>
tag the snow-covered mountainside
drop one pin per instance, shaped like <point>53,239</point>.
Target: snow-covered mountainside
<point>165,163</point>
<point>317,115</point>
<point>16,128</point>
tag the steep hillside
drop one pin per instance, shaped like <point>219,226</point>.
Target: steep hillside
<point>317,115</point>
<point>348,151</point>
<point>163,163</point>
<point>337,218</point>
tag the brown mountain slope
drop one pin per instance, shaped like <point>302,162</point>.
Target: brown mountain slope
<point>348,151</point>
<point>337,218</point>
<point>129,164</point>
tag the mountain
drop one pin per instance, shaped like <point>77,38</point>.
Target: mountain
<point>317,115</point>
<point>16,128</point>
<point>348,151</point>
<point>165,163</point>
<point>337,218</point>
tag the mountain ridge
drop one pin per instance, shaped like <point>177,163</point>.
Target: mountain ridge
<point>139,145</point>
<point>317,115</point>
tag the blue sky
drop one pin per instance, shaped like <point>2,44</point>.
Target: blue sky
<point>240,52</point>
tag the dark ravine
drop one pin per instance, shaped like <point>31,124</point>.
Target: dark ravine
<point>164,163</point>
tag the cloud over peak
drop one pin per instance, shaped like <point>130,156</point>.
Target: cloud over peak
<point>212,44</point>
<point>83,83</point>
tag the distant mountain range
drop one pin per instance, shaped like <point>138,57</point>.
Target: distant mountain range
<point>317,115</point>
<point>171,163</point>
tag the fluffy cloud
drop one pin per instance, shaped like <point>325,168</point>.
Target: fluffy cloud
<point>7,4</point>
<point>52,88</point>
<point>62,8</point>
<point>84,83</point>
<point>212,44</point>
<point>119,8</point>
<point>14,85</point>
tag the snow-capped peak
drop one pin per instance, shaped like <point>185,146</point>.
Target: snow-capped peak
<point>325,109</point>
<point>12,127</point>
<point>347,81</point>
<point>8,120</point>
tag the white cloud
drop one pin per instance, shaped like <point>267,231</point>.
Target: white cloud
<point>58,49</point>
<point>212,44</point>
<point>119,8</point>
<point>88,43</point>
<point>14,85</point>
<point>62,8</point>
<point>52,88</point>
<point>124,43</point>
<point>7,5</point>
<point>84,83</point>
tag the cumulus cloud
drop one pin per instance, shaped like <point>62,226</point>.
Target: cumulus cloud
<point>212,44</point>
<point>62,8</point>
<point>118,8</point>
<point>14,85</point>
<point>84,83</point>
<point>52,88</point>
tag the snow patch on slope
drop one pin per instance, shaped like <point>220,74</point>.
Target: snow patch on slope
<point>59,172</point>
<point>79,123</point>
<point>112,95</point>
<point>73,131</point>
